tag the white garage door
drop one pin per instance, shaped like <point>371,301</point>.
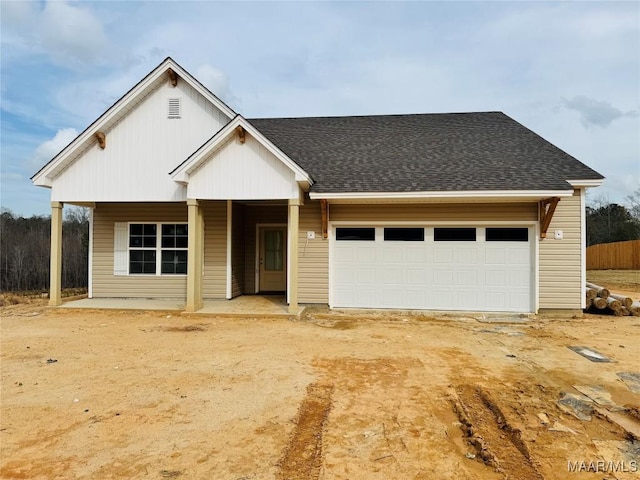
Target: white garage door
<point>435,268</point>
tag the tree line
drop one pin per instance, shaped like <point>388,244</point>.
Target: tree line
<point>611,222</point>
<point>25,250</point>
<point>25,242</point>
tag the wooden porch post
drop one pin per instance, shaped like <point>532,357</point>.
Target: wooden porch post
<point>55,270</point>
<point>194,257</point>
<point>293,226</point>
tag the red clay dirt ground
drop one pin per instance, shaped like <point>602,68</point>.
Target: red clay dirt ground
<point>90,394</point>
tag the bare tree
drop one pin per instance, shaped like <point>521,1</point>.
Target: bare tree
<point>25,250</point>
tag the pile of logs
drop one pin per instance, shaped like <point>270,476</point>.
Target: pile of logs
<point>601,300</point>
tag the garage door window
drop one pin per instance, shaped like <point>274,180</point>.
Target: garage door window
<point>454,234</point>
<point>367,234</point>
<point>404,234</point>
<point>507,234</point>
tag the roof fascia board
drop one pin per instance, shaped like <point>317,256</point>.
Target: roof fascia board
<point>502,194</point>
<point>182,172</point>
<point>41,178</point>
<point>586,183</point>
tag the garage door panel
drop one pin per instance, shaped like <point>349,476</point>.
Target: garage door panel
<point>344,254</point>
<point>366,297</point>
<point>392,254</point>
<point>366,276</point>
<point>466,256</point>
<point>348,276</point>
<point>414,298</point>
<point>442,298</point>
<point>365,254</point>
<point>467,299</point>
<point>416,254</point>
<point>518,302</point>
<point>495,300</point>
<point>518,278</point>
<point>466,278</point>
<point>443,256</point>
<point>519,256</point>
<point>482,275</point>
<point>495,277</point>
<point>392,297</point>
<point>495,256</point>
<point>417,276</point>
<point>443,277</point>
<point>392,276</point>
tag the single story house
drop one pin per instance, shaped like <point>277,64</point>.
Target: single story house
<point>190,200</point>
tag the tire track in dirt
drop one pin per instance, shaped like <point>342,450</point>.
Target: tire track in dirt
<point>303,456</point>
<point>496,442</point>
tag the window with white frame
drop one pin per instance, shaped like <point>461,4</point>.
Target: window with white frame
<point>158,248</point>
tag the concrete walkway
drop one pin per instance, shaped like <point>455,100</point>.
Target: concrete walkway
<point>243,306</point>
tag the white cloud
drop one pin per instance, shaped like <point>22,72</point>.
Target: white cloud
<point>216,81</point>
<point>50,148</point>
<point>595,112</point>
<point>72,33</point>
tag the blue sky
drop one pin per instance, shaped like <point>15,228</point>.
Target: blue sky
<point>568,71</point>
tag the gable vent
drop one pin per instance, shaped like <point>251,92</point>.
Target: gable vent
<point>175,108</point>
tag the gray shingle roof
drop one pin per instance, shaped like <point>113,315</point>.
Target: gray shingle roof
<point>430,152</point>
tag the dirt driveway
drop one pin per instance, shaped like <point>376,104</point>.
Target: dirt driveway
<point>141,395</point>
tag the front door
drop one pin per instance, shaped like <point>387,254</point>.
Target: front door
<point>273,259</point>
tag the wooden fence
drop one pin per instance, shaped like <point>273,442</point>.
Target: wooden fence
<point>617,255</point>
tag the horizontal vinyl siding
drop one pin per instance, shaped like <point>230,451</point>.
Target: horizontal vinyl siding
<point>433,213</point>
<point>215,249</point>
<point>105,283</point>
<point>313,265</point>
<point>560,266</point>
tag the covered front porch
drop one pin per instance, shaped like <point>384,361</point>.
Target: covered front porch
<point>240,199</point>
<point>245,306</point>
<point>260,246</point>
<point>234,248</point>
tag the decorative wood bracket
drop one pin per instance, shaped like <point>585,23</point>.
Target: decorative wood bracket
<point>173,76</point>
<point>102,139</point>
<point>547,207</point>
<point>241,133</point>
<point>324,212</point>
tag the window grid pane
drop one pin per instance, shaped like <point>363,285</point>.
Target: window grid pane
<point>404,234</point>
<point>454,234</point>
<point>142,261</point>
<point>174,261</point>
<point>174,236</point>
<point>142,235</point>
<point>368,234</point>
<point>507,234</point>
<point>144,248</point>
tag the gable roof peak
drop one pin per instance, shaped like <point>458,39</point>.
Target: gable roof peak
<point>44,177</point>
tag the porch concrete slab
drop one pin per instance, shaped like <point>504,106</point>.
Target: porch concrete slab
<point>127,304</point>
<point>247,305</point>
<point>243,306</point>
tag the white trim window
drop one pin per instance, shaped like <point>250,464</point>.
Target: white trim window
<point>157,248</point>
